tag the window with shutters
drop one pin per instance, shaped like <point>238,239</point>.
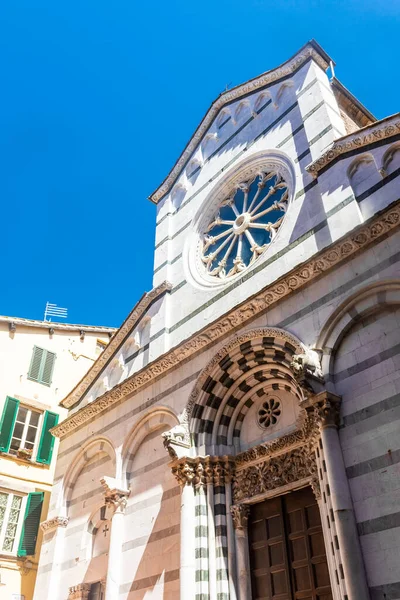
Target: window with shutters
<point>11,512</point>
<point>42,365</point>
<point>25,430</point>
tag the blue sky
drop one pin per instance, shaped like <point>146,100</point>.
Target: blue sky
<point>99,98</point>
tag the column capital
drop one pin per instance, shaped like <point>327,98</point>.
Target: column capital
<point>240,514</point>
<point>54,523</point>
<point>327,409</point>
<point>204,470</point>
<point>115,496</point>
<point>79,592</point>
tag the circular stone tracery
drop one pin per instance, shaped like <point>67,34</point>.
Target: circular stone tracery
<point>269,413</point>
<point>245,224</point>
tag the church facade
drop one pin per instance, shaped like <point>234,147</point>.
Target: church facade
<point>239,437</point>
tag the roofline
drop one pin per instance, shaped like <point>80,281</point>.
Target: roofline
<point>310,50</point>
<point>55,325</point>
<point>336,83</point>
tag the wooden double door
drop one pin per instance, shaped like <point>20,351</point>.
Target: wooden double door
<point>287,549</point>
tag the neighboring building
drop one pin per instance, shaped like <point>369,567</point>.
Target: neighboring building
<point>40,363</point>
<point>265,360</point>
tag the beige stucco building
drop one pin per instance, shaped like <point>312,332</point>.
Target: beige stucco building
<point>40,363</point>
<point>240,436</point>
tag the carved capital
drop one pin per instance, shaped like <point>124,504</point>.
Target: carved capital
<point>204,470</point>
<point>240,515</point>
<point>114,496</point>
<point>79,592</point>
<point>54,523</point>
<point>327,409</point>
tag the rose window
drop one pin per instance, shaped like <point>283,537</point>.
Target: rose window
<point>269,412</point>
<point>244,226</point>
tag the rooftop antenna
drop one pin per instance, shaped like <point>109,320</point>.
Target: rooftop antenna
<point>52,310</point>
<point>228,85</point>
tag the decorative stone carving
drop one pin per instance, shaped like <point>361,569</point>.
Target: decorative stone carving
<point>308,362</point>
<point>176,440</point>
<point>240,515</point>
<point>109,350</point>
<point>79,592</point>
<point>275,472</point>
<point>327,409</point>
<point>229,96</point>
<point>307,435</point>
<point>203,470</point>
<point>367,135</point>
<point>359,238</point>
<point>54,523</point>
<point>117,497</point>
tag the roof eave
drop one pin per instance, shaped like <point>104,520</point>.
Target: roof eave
<point>310,49</point>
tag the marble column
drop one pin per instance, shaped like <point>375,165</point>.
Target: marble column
<point>212,561</point>
<point>118,499</point>
<point>54,527</point>
<point>327,410</point>
<point>240,515</point>
<point>230,539</point>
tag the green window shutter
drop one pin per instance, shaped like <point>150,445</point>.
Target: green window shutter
<point>42,365</point>
<point>7,423</point>
<point>36,362</point>
<point>30,527</point>
<point>46,439</point>
<point>48,366</point>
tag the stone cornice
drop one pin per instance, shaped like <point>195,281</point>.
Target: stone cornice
<point>310,50</point>
<point>339,252</point>
<point>380,130</point>
<point>117,340</point>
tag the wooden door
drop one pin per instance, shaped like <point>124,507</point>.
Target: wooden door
<point>287,550</point>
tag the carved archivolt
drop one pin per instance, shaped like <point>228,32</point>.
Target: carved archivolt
<point>367,135</point>
<point>236,93</point>
<point>358,239</point>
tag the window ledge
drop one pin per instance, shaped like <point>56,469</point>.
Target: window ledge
<point>23,461</point>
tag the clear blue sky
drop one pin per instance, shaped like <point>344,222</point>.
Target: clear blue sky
<point>99,98</point>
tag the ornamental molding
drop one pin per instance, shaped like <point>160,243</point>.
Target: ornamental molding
<point>307,435</point>
<point>203,470</point>
<point>54,523</point>
<point>385,128</point>
<point>286,69</point>
<point>116,341</point>
<point>360,238</point>
<point>276,472</point>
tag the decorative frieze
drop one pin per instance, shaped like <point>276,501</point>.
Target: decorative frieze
<point>385,128</point>
<point>240,515</point>
<point>119,337</point>
<point>54,523</point>
<point>342,251</point>
<point>275,472</point>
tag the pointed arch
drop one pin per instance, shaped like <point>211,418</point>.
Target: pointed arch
<point>255,361</point>
<point>363,173</point>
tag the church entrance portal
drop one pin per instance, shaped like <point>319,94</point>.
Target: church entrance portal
<point>287,550</point>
